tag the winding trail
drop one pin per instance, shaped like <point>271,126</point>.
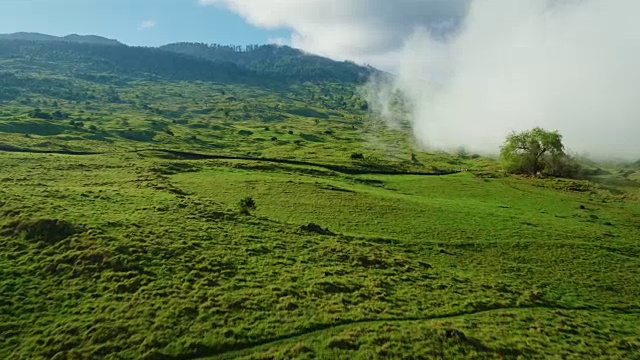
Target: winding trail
<point>199,156</point>
<point>233,350</point>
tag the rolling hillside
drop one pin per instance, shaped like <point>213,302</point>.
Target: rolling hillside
<point>126,234</point>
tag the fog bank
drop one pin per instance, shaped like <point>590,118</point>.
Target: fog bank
<point>570,66</point>
<point>475,70</point>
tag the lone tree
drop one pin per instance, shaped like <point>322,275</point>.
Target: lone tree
<point>532,152</point>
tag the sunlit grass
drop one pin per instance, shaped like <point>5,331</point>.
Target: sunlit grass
<point>162,265</point>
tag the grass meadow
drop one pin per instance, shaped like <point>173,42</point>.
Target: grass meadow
<point>130,251</point>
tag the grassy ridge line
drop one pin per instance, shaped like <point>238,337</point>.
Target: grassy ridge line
<point>200,156</point>
<point>211,353</point>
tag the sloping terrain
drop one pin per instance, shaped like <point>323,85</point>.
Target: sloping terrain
<point>141,257</point>
<point>281,61</point>
<point>123,237</point>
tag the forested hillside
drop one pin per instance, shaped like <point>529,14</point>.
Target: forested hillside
<point>85,56</point>
<point>277,61</point>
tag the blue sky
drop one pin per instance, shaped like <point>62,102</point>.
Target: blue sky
<point>134,22</point>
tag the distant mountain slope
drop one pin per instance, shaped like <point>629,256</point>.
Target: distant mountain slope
<point>27,36</point>
<point>89,39</point>
<point>99,62</point>
<point>90,54</point>
<point>281,61</point>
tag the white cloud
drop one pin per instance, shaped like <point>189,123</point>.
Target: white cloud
<point>478,69</point>
<point>570,66</point>
<point>346,29</point>
<point>147,24</point>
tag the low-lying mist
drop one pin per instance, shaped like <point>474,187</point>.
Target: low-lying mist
<point>567,65</point>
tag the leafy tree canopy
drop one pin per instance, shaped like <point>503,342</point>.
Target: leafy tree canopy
<point>531,152</point>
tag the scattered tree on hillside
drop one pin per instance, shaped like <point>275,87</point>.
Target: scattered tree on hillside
<point>39,114</point>
<point>537,151</point>
<point>59,115</point>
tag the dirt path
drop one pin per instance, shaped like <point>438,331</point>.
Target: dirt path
<point>235,350</point>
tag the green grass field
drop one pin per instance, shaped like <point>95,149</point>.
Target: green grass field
<point>138,249</point>
<point>149,258</point>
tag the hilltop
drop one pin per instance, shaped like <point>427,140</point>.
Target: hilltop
<point>75,38</point>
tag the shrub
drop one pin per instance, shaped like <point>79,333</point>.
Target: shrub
<point>39,114</point>
<point>462,153</point>
<point>59,115</point>
<point>315,228</point>
<point>247,205</point>
<point>563,166</point>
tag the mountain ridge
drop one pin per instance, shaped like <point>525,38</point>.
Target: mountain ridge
<point>274,59</point>
<point>180,61</point>
<point>75,38</point>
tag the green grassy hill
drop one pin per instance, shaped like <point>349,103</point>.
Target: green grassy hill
<point>123,238</point>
